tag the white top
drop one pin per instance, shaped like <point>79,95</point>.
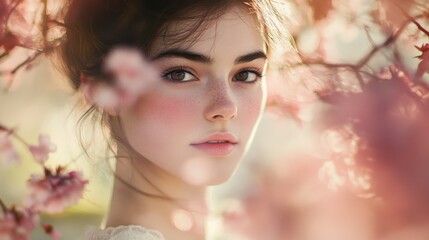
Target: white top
<point>129,232</point>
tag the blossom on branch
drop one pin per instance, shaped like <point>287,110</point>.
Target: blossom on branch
<point>17,224</point>
<point>100,94</point>
<point>130,74</point>
<point>42,151</point>
<point>423,66</point>
<point>55,191</point>
<point>130,70</point>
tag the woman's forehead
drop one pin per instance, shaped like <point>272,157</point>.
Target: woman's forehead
<point>237,25</point>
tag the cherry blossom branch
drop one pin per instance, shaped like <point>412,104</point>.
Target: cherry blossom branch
<point>306,61</point>
<point>391,39</point>
<point>9,41</point>
<point>21,65</point>
<point>413,20</point>
<point>4,55</point>
<point>50,193</point>
<point>14,134</point>
<point>419,26</point>
<point>27,61</point>
<point>356,67</point>
<point>19,138</point>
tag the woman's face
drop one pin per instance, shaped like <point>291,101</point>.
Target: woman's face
<point>198,120</point>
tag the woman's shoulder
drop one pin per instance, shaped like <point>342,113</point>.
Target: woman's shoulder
<point>124,232</point>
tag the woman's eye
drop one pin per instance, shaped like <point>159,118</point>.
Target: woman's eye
<point>179,75</point>
<point>248,76</point>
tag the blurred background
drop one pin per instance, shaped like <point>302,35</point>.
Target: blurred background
<point>342,151</point>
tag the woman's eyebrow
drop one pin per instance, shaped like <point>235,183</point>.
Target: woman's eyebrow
<point>197,57</point>
<point>175,52</point>
<point>250,57</point>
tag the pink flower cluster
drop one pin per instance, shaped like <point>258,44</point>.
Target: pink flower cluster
<point>54,192</point>
<point>17,224</point>
<point>132,75</point>
<point>10,155</point>
<point>51,193</point>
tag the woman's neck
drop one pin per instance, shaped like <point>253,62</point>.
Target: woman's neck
<point>179,213</point>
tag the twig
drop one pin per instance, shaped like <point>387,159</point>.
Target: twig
<point>420,27</point>
<point>371,40</point>
<point>45,22</point>
<point>366,27</point>
<point>369,55</point>
<point>3,207</point>
<point>322,63</point>
<point>413,20</point>
<point>20,139</point>
<point>4,54</point>
<point>27,61</point>
<point>386,43</point>
<point>14,134</point>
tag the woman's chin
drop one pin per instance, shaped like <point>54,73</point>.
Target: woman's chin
<point>212,178</point>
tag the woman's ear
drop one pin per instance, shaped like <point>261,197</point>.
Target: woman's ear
<point>100,94</point>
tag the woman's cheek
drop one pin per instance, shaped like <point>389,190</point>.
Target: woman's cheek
<point>166,111</point>
<point>252,106</point>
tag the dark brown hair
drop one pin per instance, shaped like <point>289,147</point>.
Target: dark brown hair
<point>93,27</point>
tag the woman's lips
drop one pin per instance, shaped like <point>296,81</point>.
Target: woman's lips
<point>217,144</point>
<point>216,149</point>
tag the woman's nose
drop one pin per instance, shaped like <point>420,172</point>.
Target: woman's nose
<point>222,105</point>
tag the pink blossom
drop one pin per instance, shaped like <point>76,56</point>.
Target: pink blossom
<point>131,72</point>
<point>42,151</point>
<point>7,150</point>
<point>132,75</point>
<point>340,141</point>
<point>289,94</point>
<point>100,94</point>
<point>17,224</point>
<point>55,191</point>
<point>256,217</point>
<point>329,174</point>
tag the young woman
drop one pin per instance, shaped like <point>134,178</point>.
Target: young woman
<point>194,121</point>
